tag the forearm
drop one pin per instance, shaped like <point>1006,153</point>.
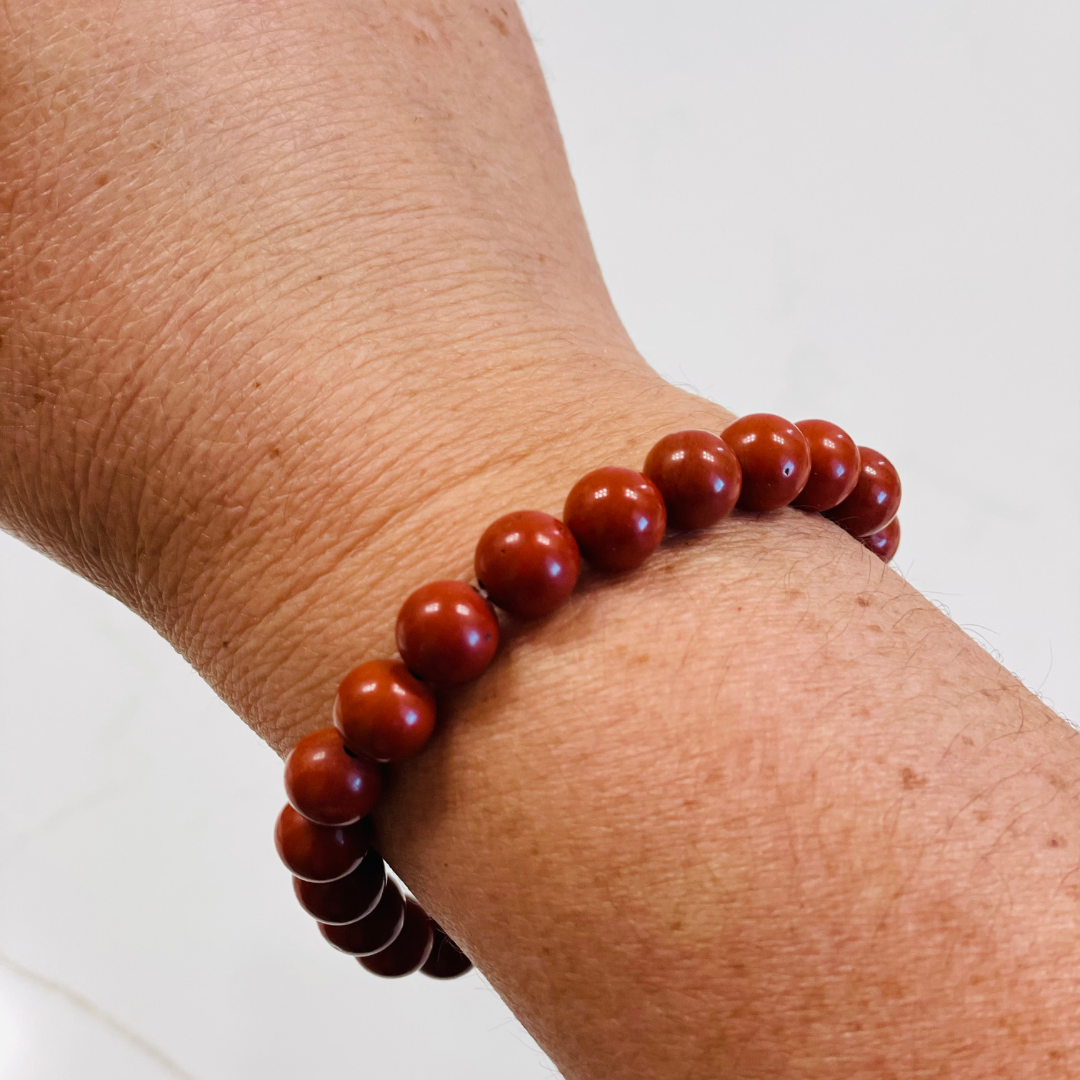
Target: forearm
<point>289,314</point>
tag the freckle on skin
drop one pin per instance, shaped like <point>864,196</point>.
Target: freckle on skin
<point>862,601</point>
<point>911,779</point>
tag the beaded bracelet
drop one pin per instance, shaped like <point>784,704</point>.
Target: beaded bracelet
<point>527,564</point>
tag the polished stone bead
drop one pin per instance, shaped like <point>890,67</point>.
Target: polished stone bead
<point>347,899</point>
<point>698,476</point>
<point>447,633</point>
<point>834,466</point>
<point>528,562</point>
<point>384,712</point>
<point>373,932</point>
<point>874,500</point>
<point>408,952</point>
<point>617,517</point>
<point>326,783</point>
<point>319,852</point>
<point>446,961</point>
<point>884,542</point>
<point>775,460</point>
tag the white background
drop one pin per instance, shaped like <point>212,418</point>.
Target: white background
<point>867,211</point>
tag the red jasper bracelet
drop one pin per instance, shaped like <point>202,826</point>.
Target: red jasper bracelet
<point>527,564</point>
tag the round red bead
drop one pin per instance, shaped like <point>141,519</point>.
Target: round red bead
<point>834,466</point>
<point>319,852</point>
<point>347,899</point>
<point>528,562</point>
<point>326,783</point>
<point>874,500</point>
<point>374,932</point>
<point>447,633</point>
<point>446,961</point>
<point>408,952</point>
<point>617,517</point>
<point>383,711</point>
<point>775,460</point>
<point>697,475</point>
<point>884,542</point>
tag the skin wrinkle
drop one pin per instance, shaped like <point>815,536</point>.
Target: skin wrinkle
<point>313,557</point>
<point>449,496</point>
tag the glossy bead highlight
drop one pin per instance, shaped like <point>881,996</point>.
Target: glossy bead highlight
<point>884,542</point>
<point>446,633</point>
<point>698,476</point>
<point>528,562</point>
<point>373,932</point>
<point>347,899</point>
<point>383,711</point>
<point>834,466</point>
<point>409,951</point>
<point>775,460</point>
<point>326,784</point>
<point>617,517</point>
<point>874,500</point>
<point>319,852</point>
<point>446,961</point>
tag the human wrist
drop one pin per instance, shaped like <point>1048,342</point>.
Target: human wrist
<point>224,237</point>
<point>275,611</point>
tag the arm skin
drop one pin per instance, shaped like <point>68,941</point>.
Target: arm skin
<point>294,299</point>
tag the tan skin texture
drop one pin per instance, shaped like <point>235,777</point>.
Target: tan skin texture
<point>294,300</point>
